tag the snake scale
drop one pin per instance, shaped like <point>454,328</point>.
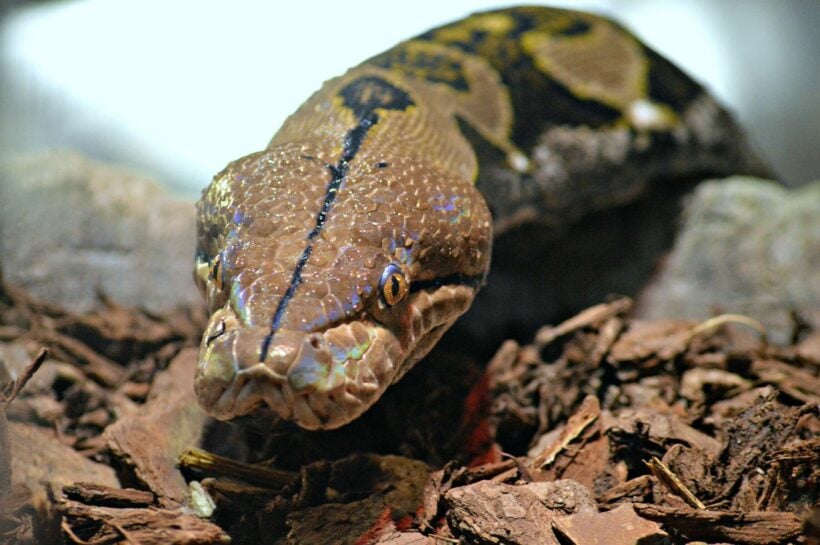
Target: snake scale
<point>334,259</point>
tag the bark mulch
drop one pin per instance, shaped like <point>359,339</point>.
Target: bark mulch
<point>602,430</point>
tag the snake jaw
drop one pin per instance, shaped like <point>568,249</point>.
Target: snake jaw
<point>316,379</point>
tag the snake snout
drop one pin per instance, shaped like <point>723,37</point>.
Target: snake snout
<point>242,367</point>
<point>318,379</point>
<point>229,356</point>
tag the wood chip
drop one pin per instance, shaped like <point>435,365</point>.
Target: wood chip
<point>40,459</point>
<point>95,525</point>
<point>590,317</point>
<point>798,383</point>
<point>105,496</point>
<point>488,512</point>
<point>665,475</point>
<point>742,528</point>
<point>587,413</point>
<point>652,341</point>
<point>143,442</point>
<point>621,526</point>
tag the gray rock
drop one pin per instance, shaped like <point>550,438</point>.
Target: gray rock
<point>749,247</point>
<point>71,228</point>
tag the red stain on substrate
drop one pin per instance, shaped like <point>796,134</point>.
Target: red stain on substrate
<point>384,525</point>
<point>475,426</point>
<point>380,527</point>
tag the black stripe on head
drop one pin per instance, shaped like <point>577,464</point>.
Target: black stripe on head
<point>363,96</point>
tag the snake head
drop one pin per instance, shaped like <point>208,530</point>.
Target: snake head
<point>325,282</point>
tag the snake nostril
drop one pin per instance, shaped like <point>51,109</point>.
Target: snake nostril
<point>314,341</point>
<point>216,333</point>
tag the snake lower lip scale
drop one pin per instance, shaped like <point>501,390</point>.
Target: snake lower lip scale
<point>334,259</point>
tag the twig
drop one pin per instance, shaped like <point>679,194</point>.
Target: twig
<point>19,383</point>
<point>665,475</point>
<point>66,527</point>
<point>717,321</point>
<point>204,461</point>
<point>587,413</point>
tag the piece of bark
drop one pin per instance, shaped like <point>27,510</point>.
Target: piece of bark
<point>692,467</point>
<point>590,317</point>
<point>743,528</point>
<point>169,423</point>
<point>661,430</point>
<point>722,412</point>
<point>701,385</point>
<point>453,475</point>
<point>40,460</point>
<point>96,525</point>
<point>636,490</point>
<point>649,342</point>
<point>362,521</point>
<point>607,335</point>
<point>22,518</point>
<point>489,512</point>
<point>671,481</point>
<point>654,393</point>
<point>752,438</point>
<point>797,383</point>
<point>406,538</point>
<point>93,364</point>
<point>104,496</point>
<point>543,385</point>
<point>372,498</point>
<point>564,496</point>
<point>791,480</point>
<point>620,526</point>
<point>41,464</point>
<point>587,413</point>
<point>580,452</point>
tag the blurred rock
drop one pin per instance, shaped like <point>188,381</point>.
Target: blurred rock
<point>749,247</point>
<point>72,228</point>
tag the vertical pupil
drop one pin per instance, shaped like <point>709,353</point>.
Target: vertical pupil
<point>217,273</point>
<point>394,285</point>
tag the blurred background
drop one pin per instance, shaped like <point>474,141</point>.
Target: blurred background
<point>176,89</point>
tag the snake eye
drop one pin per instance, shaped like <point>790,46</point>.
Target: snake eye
<point>393,285</point>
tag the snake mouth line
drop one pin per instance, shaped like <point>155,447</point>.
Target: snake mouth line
<point>328,375</point>
<point>320,380</point>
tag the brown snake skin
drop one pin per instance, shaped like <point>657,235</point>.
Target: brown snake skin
<point>333,260</point>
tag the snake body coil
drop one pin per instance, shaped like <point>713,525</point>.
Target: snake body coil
<point>334,259</point>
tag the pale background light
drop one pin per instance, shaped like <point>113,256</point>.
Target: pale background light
<point>177,89</point>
